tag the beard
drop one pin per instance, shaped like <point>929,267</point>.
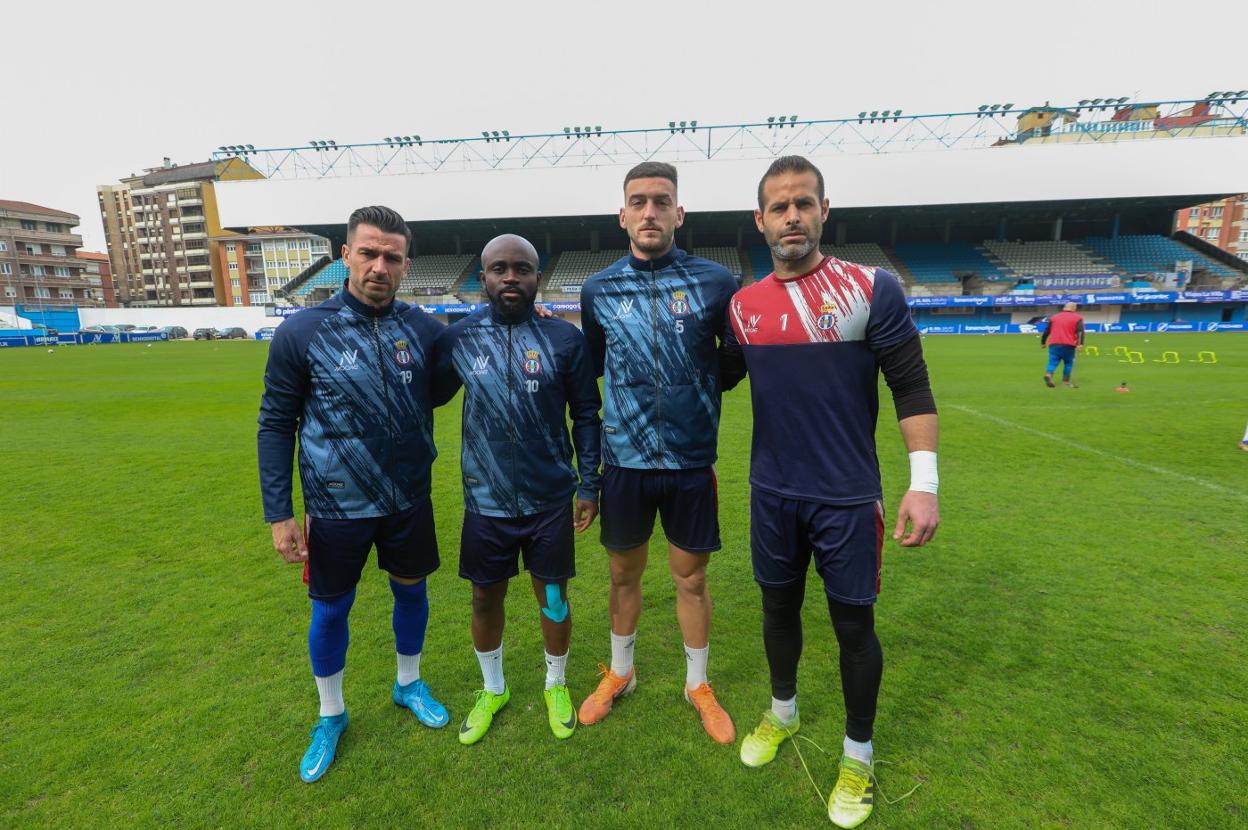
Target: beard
<point>789,252</point>
<point>512,307</point>
<point>653,246</point>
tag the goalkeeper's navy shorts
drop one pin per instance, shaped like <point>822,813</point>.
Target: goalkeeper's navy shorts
<point>847,544</point>
<point>687,502</point>
<point>407,547</point>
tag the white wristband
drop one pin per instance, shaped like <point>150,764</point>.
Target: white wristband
<point>923,475</point>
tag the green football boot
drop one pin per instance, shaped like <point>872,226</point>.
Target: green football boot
<point>559,712</point>
<point>852,798</point>
<point>760,746</point>
<point>482,715</point>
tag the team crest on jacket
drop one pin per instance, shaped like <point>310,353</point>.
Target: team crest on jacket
<point>680,306</point>
<point>532,362</point>
<point>401,355</point>
<point>827,319</point>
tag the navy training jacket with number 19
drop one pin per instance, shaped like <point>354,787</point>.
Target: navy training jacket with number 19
<point>354,385</point>
<point>652,327</point>
<point>521,382</point>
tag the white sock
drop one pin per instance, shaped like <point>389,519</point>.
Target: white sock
<point>858,750</point>
<point>785,710</point>
<point>556,670</point>
<point>1246,435</point>
<point>330,690</point>
<point>622,653</point>
<point>695,666</point>
<point>492,669</point>
<point>409,668</point>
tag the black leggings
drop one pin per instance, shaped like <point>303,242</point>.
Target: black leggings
<point>862,659</point>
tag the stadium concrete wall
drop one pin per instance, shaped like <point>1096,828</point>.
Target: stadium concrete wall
<point>1175,167</point>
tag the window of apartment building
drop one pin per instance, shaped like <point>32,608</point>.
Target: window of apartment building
<point>59,250</point>
<point>259,298</point>
<point>231,247</point>
<point>65,293</point>
<point>6,268</point>
<point>33,249</point>
<point>38,271</point>
<point>10,291</point>
<point>1243,236</point>
<point>1195,213</point>
<point>1212,233</point>
<point>233,266</point>
<point>1216,213</point>
<point>61,271</point>
<point>235,284</point>
<point>4,246</point>
<point>43,293</point>
<point>30,225</point>
<point>54,227</point>
<point>1243,255</point>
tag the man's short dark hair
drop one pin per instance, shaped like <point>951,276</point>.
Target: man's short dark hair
<point>384,219</point>
<point>652,170</point>
<point>789,164</point>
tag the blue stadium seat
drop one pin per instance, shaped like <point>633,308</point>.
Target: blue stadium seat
<point>937,262</point>
<point>1149,253</point>
<point>331,276</point>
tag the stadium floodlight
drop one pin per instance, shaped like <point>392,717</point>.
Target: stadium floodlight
<point>671,125</point>
<point>251,148</point>
<point>1083,102</point>
<point>1006,107</point>
<point>577,130</point>
<point>486,135</point>
<point>792,120</point>
<point>598,129</point>
<point>861,116</point>
<point>222,149</point>
<point>418,141</point>
<point>874,113</point>
<point>586,130</point>
<point>693,125</point>
<point>333,143</point>
<point>896,114</point>
<point>1212,95</point>
<point>506,135</point>
<point>771,121</point>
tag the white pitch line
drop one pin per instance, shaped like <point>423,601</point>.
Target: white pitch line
<point>1130,462</point>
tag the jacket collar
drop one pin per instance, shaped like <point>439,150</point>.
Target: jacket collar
<point>363,309</point>
<point>656,264</point>
<point>498,319</point>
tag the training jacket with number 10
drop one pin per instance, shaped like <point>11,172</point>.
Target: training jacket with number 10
<point>655,329</point>
<point>521,381</point>
<point>353,382</point>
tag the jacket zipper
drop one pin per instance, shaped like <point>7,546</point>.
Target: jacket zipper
<point>654,317</point>
<point>514,437</point>
<point>385,391</point>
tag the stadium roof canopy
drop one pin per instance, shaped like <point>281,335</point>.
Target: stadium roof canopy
<point>913,170</point>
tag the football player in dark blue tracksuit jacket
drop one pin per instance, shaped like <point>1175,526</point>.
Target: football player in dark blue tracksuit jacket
<point>522,376</point>
<point>656,322</point>
<point>351,379</point>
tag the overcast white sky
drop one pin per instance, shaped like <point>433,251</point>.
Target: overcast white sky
<point>96,93</point>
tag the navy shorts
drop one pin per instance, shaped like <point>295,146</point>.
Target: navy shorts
<point>490,545</point>
<point>687,501</point>
<point>847,543</point>
<point>407,547</point>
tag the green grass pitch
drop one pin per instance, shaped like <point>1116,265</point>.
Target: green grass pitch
<point>1069,652</point>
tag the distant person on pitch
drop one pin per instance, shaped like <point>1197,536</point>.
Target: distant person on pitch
<point>350,379</point>
<point>1063,334</point>
<point>523,375</point>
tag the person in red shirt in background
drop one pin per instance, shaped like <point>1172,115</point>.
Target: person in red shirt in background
<point>1064,333</point>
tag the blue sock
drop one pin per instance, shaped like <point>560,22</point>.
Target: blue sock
<point>327,635</point>
<point>411,616</point>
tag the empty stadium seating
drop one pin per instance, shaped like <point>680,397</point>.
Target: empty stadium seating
<point>574,267</point>
<point>938,262</point>
<point>1148,253</point>
<point>728,257</point>
<point>433,273</point>
<point>330,276</point>
<point>862,253</point>
<point>1044,258</point>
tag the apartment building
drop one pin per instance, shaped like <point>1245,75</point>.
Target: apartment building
<point>1223,223</point>
<point>260,263</point>
<point>38,265</point>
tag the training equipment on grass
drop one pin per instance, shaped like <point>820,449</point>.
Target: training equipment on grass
<point>1201,357</point>
<point>1168,357</point>
<point>1092,351</point>
<point>1131,357</point>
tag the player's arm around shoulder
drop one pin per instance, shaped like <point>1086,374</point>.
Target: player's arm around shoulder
<point>444,379</point>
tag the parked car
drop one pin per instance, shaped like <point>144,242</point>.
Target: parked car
<point>145,328</point>
<point>231,333</point>
<point>174,332</point>
<point>123,327</point>
<point>204,334</point>
<point>266,332</point>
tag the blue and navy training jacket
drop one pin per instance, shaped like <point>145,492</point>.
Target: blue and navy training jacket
<point>521,382</point>
<point>354,384</point>
<point>654,329</point>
